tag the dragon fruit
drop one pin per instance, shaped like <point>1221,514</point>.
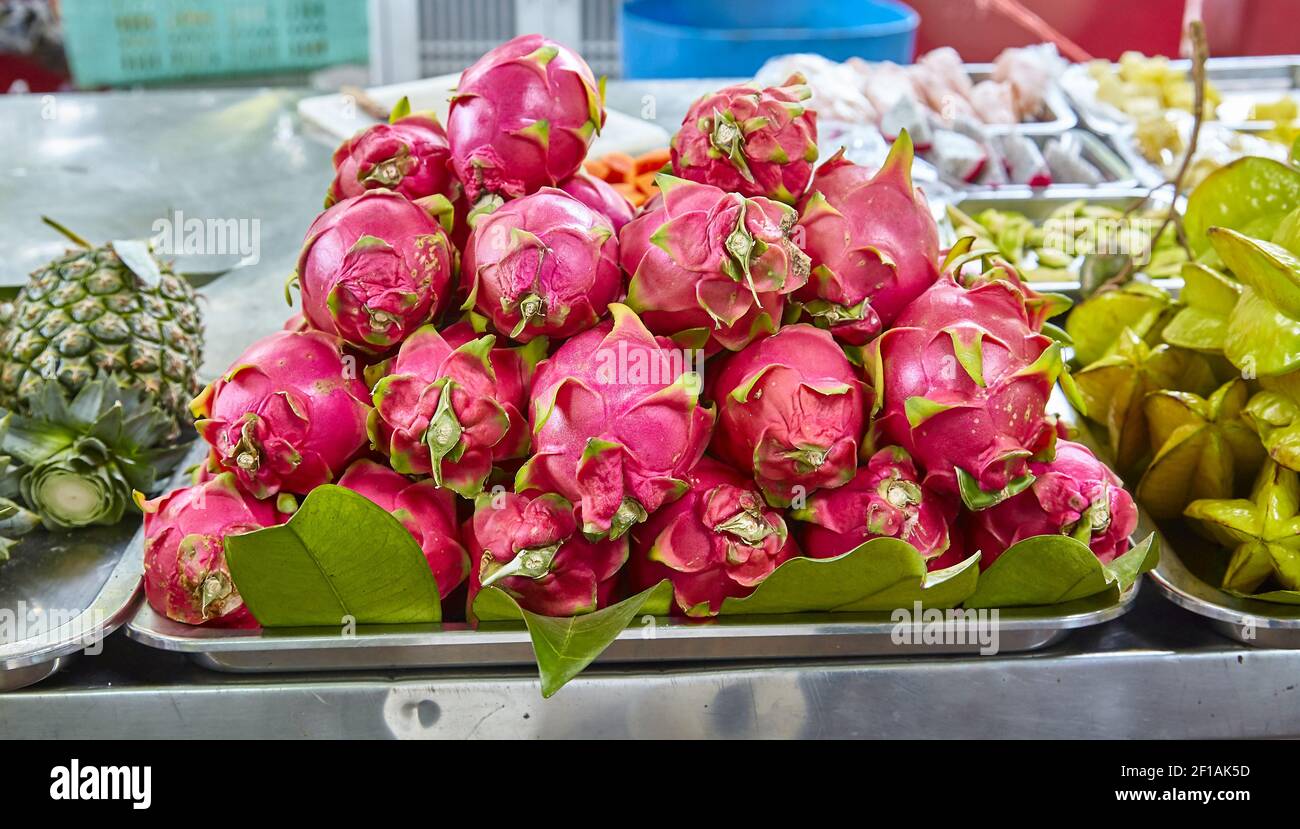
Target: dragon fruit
<point>185,574</point>
<point>375,267</point>
<point>530,547</point>
<point>710,264</point>
<point>885,499</point>
<point>442,410</point>
<point>427,512</point>
<point>409,155</point>
<point>600,197</point>
<point>718,540</point>
<point>962,383</point>
<point>287,416</point>
<point>873,244</point>
<point>749,140</point>
<point>545,264</point>
<point>1075,495</point>
<point>616,424</point>
<point>522,118</point>
<point>791,408</point>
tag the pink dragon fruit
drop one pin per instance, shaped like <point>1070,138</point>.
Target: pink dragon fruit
<point>522,117</point>
<point>375,267</point>
<point>873,244</point>
<point>287,416</point>
<point>600,197</point>
<point>616,424</point>
<point>409,155</point>
<point>710,264</point>
<point>791,408</point>
<point>885,499</point>
<point>427,512</point>
<point>545,264</point>
<point>1075,495</point>
<point>443,411</point>
<point>962,383</point>
<point>718,540</point>
<point>750,140</point>
<point>185,574</point>
<point>530,547</point>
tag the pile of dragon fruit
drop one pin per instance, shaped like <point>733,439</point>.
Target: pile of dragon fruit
<point>571,401</point>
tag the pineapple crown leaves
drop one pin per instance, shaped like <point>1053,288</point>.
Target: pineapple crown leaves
<point>102,414</point>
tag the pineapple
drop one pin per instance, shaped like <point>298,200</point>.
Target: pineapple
<point>96,311</point>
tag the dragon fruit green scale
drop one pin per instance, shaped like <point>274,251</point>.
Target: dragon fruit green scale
<point>542,265</point>
<point>521,118</point>
<point>409,154</point>
<point>441,411</point>
<point>750,140</point>
<point>707,263</point>
<point>375,267</point>
<point>616,424</point>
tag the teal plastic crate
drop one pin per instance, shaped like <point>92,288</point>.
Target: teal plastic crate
<point>114,42</point>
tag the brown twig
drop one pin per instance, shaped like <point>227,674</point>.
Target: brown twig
<point>1200,54</point>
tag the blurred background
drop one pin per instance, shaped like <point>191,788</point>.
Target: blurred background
<point>48,45</point>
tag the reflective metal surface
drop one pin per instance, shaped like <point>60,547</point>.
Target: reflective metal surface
<point>62,592</point>
<point>458,645</point>
<point>1157,672</point>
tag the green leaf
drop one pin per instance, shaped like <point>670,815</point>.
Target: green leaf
<point>1053,569</point>
<point>339,555</point>
<point>563,647</point>
<point>882,574</point>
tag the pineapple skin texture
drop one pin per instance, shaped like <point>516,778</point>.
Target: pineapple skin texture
<point>87,315</point>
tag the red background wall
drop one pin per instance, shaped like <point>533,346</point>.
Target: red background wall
<point>1105,28</point>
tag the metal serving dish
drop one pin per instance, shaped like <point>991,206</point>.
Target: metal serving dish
<point>1038,205</point>
<point>1242,82</point>
<point>1116,171</point>
<point>457,645</point>
<point>1060,115</point>
<point>62,593</point>
<point>1249,621</point>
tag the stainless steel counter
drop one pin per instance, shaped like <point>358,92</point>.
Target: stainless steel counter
<point>1158,672</point>
<point>110,165</point>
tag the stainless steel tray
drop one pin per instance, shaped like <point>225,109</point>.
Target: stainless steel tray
<point>1060,114</point>
<point>62,593</point>
<point>1117,171</point>
<point>1242,81</point>
<point>457,645</point>
<point>1037,205</point>
<point>1249,621</point>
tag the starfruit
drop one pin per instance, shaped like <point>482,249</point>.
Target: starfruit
<point>1263,532</point>
<point>1114,390</point>
<point>1205,448</point>
<point>1208,298</point>
<point>1274,413</point>
<point>1096,323</point>
<point>1250,195</point>
<point>1263,336</point>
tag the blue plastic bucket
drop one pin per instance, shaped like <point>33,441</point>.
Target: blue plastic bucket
<point>733,38</point>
